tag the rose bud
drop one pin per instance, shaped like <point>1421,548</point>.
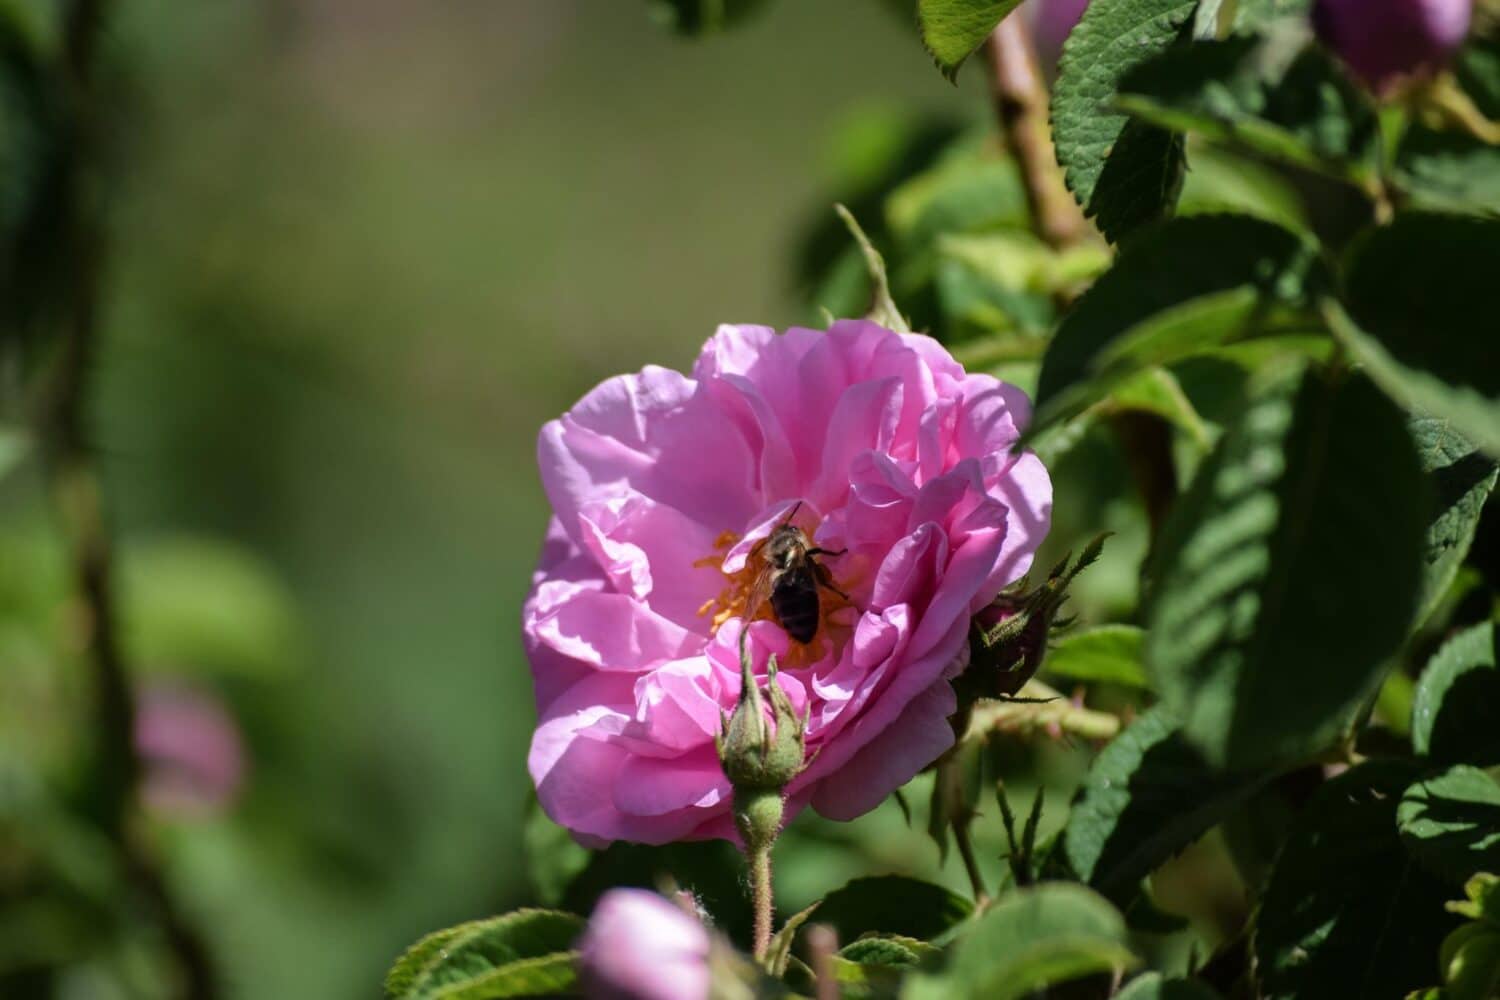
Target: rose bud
<point>193,761</point>
<point>1052,21</point>
<point>640,946</point>
<point>1384,40</point>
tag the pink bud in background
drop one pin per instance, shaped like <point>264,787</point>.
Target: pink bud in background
<point>192,759</point>
<point>1051,23</point>
<point>1382,40</point>
<point>640,946</point>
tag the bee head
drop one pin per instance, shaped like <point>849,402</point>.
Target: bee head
<point>786,547</point>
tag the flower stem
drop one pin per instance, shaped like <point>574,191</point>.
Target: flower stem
<point>971,862</point>
<point>760,888</point>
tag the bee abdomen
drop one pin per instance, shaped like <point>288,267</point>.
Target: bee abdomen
<point>796,607</point>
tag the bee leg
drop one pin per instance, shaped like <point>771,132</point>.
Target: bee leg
<point>826,552</point>
<point>826,579</point>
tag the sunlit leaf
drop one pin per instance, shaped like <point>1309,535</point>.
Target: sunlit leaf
<point>953,29</point>
<point>1451,822</point>
<point>1456,714</point>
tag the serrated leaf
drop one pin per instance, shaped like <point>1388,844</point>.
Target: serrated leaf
<point>1456,714</point>
<point>1347,912</point>
<point>1247,636</point>
<point>952,29</point>
<point>518,954</point>
<point>893,904</point>
<point>1148,795</point>
<point>1451,822</point>
<point>1109,654</point>
<point>1124,173</point>
<point>1448,171</point>
<point>1154,986</point>
<point>1415,290</point>
<point>1187,286</point>
<point>1246,92</point>
<point>1029,940</point>
<point>888,949</point>
<point>1462,481</point>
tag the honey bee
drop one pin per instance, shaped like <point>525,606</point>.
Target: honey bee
<point>789,577</point>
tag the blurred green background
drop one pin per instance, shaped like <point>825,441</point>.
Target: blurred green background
<point>360,250</point>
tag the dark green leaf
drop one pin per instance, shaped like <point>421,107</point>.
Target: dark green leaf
<point>1462,480</point>
<point>1347,912</point>
<point>1417,292</point>
<point>1029,940</point>
<point>1244,91</point>
<point>1153,986</point>
<point>1449,170</point>
<point>1186,286</point>
<point>553,858</point>
<point>1148,795</point>
<point>1277,547</point>
<point>1478,71</point>
<point>1456,716</point>
<point>701,17</point>
<point>892,904</point>
<point>1451,822</point>
<point>953,29</point>
<point>1124,173</point>
<point>519,954</point>
<point>1109,654</point>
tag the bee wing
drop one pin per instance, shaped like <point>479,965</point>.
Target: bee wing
<point>760,593</point>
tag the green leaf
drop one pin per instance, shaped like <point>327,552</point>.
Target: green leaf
<point>1451,822</point>
<point>1347,912</point>
<point>1478,71</point>
<point>1220,180</point>
<point>1456,716</point>
<point>952,29</point>
<point>1124,173</point>
<point>524,953</point>
<point>1296,106</point>
<point>1449,171</point>
<point>779,952</point>
<point>1109,654</point>
<point>1157,391</point>
<point>1417,291</point>
<point>1029,940</point>
<point>1154,986</point>
<point>15,445</point>
<point>888,949</point>
<point>709,869</point>
<point>1252,15</point>
<point>1462,481</point>
<point>1148,795</point>
<point>701,17</point>
<point>971,190</point>
<point>893,904</point>
<point>1278,545</point>
<point>553,858</point>
<point>1184,287</point>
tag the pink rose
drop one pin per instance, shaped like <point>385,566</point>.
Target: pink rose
<point>1382,40</point>
<point>639,946</point>
<point>662,484</point>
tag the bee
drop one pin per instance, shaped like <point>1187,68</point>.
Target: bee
<point>789,578</point>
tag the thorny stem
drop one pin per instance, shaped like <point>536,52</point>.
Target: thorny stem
<point>1020,100</point>
<point>80,501</point>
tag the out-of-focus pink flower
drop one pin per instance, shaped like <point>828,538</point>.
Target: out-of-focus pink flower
<point>1383,40</point>
<point>639,946</point>
<point>1051,23</point>
<point>189,746</point>
<point>661,484</point>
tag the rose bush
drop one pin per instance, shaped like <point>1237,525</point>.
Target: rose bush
<point>879,445</point>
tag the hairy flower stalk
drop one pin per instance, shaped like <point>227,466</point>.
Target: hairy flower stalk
<point>760,759</point>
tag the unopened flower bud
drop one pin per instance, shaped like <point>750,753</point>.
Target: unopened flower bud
<point>1384,40</point>
<point>758,753</point>
<point>641,946</point>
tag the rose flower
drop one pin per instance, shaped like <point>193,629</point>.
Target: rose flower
<point>897,465</point>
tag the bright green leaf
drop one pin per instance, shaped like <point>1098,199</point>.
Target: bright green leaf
<point>1124,173</point>
<point>1252,15</point>
<point>1029,940</point>
<point>1187,286</point>
<point>1153,986</point>
<point>1449,170</point>
<point>1156,390</point>
<point>1109,654</point>
<point>1347,912</point>
<point>1451,822</point>
<point>1456,715</point>
<point>1417,291</point>
<point>888,949</point>
<point>524,953</point>
<point>1148,795</point>
<point>892,904</point>
<point>1462,481</point>
<point>1248,634</point>
<point>952,29</point>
